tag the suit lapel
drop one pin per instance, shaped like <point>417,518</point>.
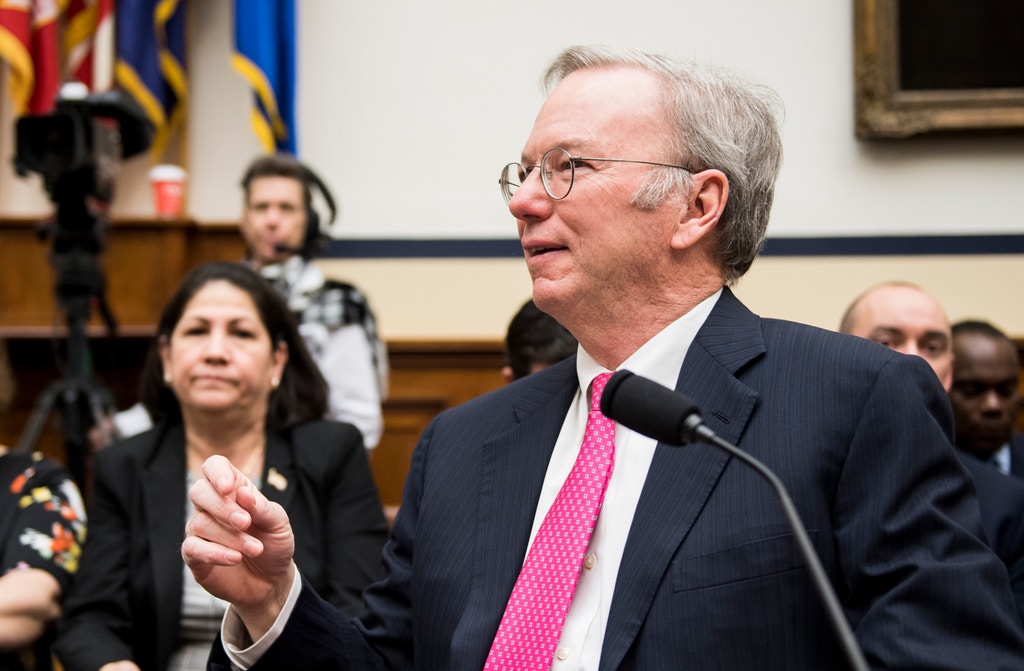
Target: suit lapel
<point>512,472</point>
<point>681,479</point>
<point>279,472</point>
<point>1017,455</point>
<point>163,500</point>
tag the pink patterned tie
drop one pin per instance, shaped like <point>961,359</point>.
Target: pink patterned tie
<point>536,610</point>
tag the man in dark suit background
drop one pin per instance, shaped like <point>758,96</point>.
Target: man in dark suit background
<point>907,319</point>
<point>644,191</point>
<point>986,395</point>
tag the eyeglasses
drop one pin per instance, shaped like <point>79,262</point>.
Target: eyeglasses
<point>557,172</point>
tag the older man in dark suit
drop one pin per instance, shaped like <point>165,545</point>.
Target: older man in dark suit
<point>643,191</point>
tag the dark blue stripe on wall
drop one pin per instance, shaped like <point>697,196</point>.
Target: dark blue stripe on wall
<point>424,249</point>
<point>877,246</point>
<point>896,245</point>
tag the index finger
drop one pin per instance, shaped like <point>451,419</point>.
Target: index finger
<point>224,493</point>
<point>223,475</point>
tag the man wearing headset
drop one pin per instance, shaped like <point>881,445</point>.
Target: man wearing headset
<point>282,234</point>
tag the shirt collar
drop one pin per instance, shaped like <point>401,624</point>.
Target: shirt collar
<point>661,357</point>
<point>1001,457</point>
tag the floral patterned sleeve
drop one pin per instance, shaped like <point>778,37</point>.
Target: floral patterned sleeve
<point>42,523</point>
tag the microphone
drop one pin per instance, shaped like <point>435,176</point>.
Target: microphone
<point>282,248</point>
<point>671,418</point>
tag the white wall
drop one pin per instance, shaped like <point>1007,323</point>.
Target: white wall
<point>410,109</point>
<point>407,93</point>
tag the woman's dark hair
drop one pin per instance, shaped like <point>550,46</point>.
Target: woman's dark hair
<point>302,393</point>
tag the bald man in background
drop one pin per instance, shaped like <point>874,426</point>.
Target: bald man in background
<point>905,318</point>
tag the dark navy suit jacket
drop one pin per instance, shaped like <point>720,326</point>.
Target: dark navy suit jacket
<point>1017,455</point>
<point>710,577</point>
<point>1001,500</point>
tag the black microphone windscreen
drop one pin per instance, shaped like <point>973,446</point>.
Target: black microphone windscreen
<point>647,407</point>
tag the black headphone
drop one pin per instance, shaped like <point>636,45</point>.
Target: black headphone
<point>315,240</point>
<point>285,165</point>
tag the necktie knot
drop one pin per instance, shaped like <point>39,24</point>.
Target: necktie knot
<point>597,389</point>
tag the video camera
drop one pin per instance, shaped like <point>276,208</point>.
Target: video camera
<point>77,149</point>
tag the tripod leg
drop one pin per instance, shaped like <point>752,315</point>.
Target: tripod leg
<point>40,413</point>
<point>74,424</point>
<point>101,404</point>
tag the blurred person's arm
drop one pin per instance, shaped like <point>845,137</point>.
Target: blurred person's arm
<point>29,602</point>
<point>123,665</point>
<point>41,545</point>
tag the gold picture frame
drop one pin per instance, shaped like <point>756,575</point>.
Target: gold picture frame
<point>885,109</point>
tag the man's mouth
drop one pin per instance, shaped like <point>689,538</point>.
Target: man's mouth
<point>538,251</point>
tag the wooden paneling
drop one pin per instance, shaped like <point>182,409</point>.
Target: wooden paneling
<point>426,378</point>
<point>142,263</point>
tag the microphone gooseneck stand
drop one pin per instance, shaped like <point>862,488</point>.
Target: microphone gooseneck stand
<point>669,417</point>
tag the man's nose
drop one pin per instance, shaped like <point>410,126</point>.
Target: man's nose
<point>531,200</point>
<point>911,348</point>
<point>991,401</point>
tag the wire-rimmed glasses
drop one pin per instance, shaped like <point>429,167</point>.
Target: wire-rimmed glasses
<point>557,172</point>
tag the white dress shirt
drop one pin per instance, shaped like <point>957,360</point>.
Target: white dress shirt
<point>659,359</point>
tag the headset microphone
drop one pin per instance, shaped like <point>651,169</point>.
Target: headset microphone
<point>316,239</point>
<point>282,248</point>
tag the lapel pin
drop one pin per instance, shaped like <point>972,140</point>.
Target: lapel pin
<point>276,480</point>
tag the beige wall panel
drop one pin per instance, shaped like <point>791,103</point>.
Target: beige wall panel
<point>474,298</point>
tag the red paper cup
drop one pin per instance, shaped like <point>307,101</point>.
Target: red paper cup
<point>168,183</point>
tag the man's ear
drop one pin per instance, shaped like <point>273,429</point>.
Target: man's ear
<point>704,208</point>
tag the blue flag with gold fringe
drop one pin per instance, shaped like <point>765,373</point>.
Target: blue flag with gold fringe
<point>265,57</point>
<point>151,61</point>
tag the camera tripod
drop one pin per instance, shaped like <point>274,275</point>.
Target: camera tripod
<point>76,149</point>
<point>81,400</point>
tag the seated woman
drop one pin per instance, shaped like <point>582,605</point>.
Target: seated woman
<point>42,526</point>
<point>229,375</point>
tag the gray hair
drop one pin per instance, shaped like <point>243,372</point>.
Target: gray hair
<point>721,122</point>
